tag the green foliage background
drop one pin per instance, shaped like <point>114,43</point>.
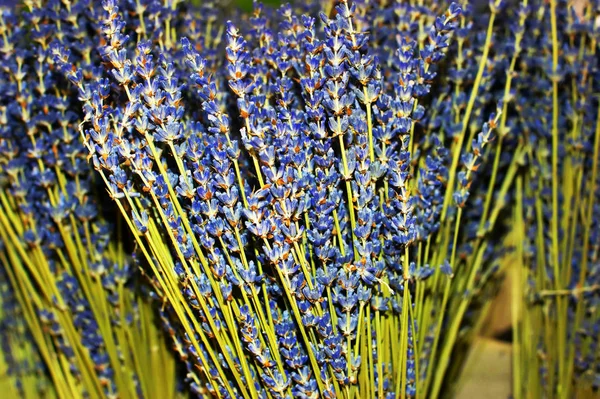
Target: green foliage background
<point>245,4</point>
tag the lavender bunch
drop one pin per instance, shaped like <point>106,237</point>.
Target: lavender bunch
<point>556,229</point>
<point>73,283</point>
<point>316,201</point>
<point>288,198</point>
<point>22,373</point>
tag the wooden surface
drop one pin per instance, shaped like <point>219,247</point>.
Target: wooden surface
<point>487,371</point>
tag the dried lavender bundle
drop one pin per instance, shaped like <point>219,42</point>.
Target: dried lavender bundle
<point>71,275</point>
<point>23,373</point>
<point>289,200</point>
<point>316,201</point>
<point>557,235</point>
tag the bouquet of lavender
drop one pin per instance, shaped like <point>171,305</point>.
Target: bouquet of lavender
<point>23,373</point>
<point>557,279</point>
<point>293,199</point>
<point>68,271</point>
<point>308,201</point>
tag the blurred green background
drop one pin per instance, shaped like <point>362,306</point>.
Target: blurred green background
<point>244,4</point>
<point>247,4</point>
